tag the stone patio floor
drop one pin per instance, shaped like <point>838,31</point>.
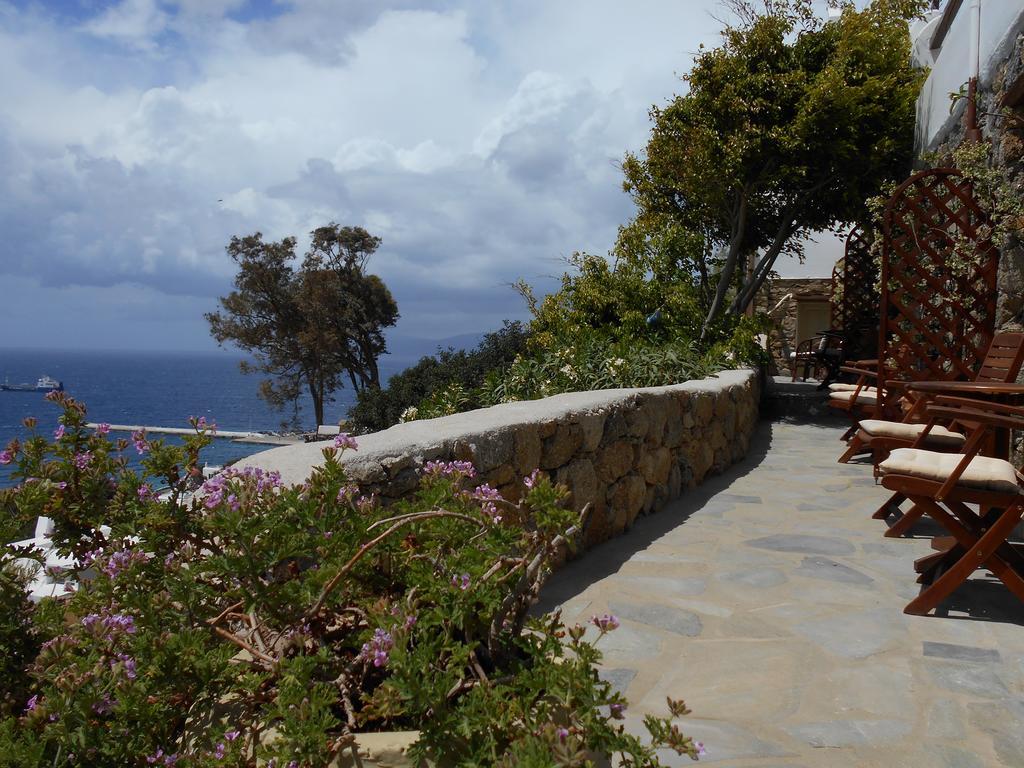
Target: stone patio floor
<point>770,602</point>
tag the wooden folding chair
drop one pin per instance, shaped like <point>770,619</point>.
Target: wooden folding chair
<point>944,486</point>
<point>1002,364</point>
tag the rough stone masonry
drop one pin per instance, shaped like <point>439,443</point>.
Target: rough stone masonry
<point>624,451</point>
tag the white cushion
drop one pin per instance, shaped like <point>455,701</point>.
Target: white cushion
<point>983,473</point>
<point>840,387</point>
<point>938,435</point>
<point>863,397</point>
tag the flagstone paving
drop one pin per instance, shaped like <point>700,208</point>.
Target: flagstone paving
<point>769,600</point>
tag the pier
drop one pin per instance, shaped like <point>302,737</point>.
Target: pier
<point>260,438</point>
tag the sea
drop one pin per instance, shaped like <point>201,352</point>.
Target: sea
<point>158,389</point>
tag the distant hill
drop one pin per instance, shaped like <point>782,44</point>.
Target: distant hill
<point>407,350</point>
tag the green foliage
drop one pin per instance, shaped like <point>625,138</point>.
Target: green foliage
<point>254,624</point>
<point>785,129</point>
<point>309,329</point>
<point>443,380</point>
<point>615,298</point>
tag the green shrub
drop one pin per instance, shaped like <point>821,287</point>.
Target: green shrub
<point>448,370</point>
<point>256,624</point>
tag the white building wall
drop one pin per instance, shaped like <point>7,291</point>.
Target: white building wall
<point>1001,22</point>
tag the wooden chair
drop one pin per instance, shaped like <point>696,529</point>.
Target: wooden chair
<point>1002,364</point>
<point>944,485</point>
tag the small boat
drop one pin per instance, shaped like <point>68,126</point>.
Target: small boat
<point>44,384</point>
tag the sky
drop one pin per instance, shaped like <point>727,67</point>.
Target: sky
<point>480,140</point>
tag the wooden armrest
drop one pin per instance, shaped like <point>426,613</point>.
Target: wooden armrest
<point>982,418</point>
<point>859,371</point>
<point>977,404</point>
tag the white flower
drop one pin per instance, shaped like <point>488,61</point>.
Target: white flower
<point>568,371</point>
<point>409,414</point>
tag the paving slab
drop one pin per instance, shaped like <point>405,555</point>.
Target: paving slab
<point>769,600</point>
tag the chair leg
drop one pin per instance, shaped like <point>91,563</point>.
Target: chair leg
<point>891,506</point>
<point>856,445</point>
<point>905,523</point>
<point>979,552</point>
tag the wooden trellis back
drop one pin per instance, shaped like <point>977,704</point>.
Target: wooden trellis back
<point>938,283</point>
<point>855,299</point>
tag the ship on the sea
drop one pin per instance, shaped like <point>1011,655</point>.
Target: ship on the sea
<point>44,384</point>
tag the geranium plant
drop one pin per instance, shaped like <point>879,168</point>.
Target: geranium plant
<point>248,623</point>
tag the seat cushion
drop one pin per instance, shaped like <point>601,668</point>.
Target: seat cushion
<point>982,473</point>
<point>841,387</point>
<point>863,397</point>
<point>938,435</point>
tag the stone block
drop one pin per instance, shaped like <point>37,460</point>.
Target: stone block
<point>487,451</point>
<point>560,447</point>
<point>626,499</point>
<point>592,425</point>
<point>500,475</point>
<point>581,480</point>
<point>615,426</point>
<point>655,465</point>
<point>638,422</point>
<point>704,408</point>
<point>527,448</point>
<point>614,461</point>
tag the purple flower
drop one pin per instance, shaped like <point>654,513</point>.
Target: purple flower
<point>617,710</point>
<point>530,481</point>
<point>6,457</point>
<point>347,492</point>
<point>410,621</point>
<point>139,439</point>
<point>118,561</point>
<point>345,440</point>
<point>378,647</point>
<point>701,751</point>
<point>449,469</point>
<point>233,502</point>
<point>218,751</point>
<point>58,433</point>
<point>605,623</point>
<point>102,428</point>
<point>105,705</point>
<point>487,496</point>
<point>462,582</point>
<point>32,703</point>
<point>82,459</point>
<point>127,664</point>
<point>562,734</point>
<point>145,492</point>
<point>232,735</point>
<point>62,485</point>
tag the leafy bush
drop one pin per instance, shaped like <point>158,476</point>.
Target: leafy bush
<point>255,624</point>
<point>597,364</point>
<point>447,370</point>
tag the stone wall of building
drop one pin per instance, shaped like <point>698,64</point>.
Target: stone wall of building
<point>782,338</point>
<point>625,452</point>
<point>1001,118</point>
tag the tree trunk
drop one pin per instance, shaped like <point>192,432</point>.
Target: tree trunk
<point>762,269</point>
<point>317,393</point>
<point>725,276</point>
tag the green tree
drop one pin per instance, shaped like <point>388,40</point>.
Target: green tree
<point>786,129</point>
<point>308,329</point>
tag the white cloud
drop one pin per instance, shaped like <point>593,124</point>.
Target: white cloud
<point>134,23</point>
<point>479,140</point>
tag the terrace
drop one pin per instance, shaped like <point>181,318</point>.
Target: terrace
<point>769,600</point>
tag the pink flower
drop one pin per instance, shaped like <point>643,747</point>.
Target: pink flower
<point>530,481</point>
<point>462,582</point>
<point>450,469</point>
<point>6,457</point>
<point>347,492</point>
<point>102,428</point>
<point>139,439</point>
<point>82,459</point>
<point>701,751</point>
<point>562,733</point>
<point>145,492</point>
<point>605,623</point>
<point>378,647</point>
<point>58,433</point>
<point>345,440</point>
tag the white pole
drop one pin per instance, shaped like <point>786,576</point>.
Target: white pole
<point>975,42</point>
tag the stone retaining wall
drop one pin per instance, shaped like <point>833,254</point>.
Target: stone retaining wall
<point>625,451</point>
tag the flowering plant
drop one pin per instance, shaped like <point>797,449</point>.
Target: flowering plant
<point>248,623</point>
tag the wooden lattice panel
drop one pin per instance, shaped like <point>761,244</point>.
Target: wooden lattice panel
<point>938,279</point>
<point>858,310</point>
